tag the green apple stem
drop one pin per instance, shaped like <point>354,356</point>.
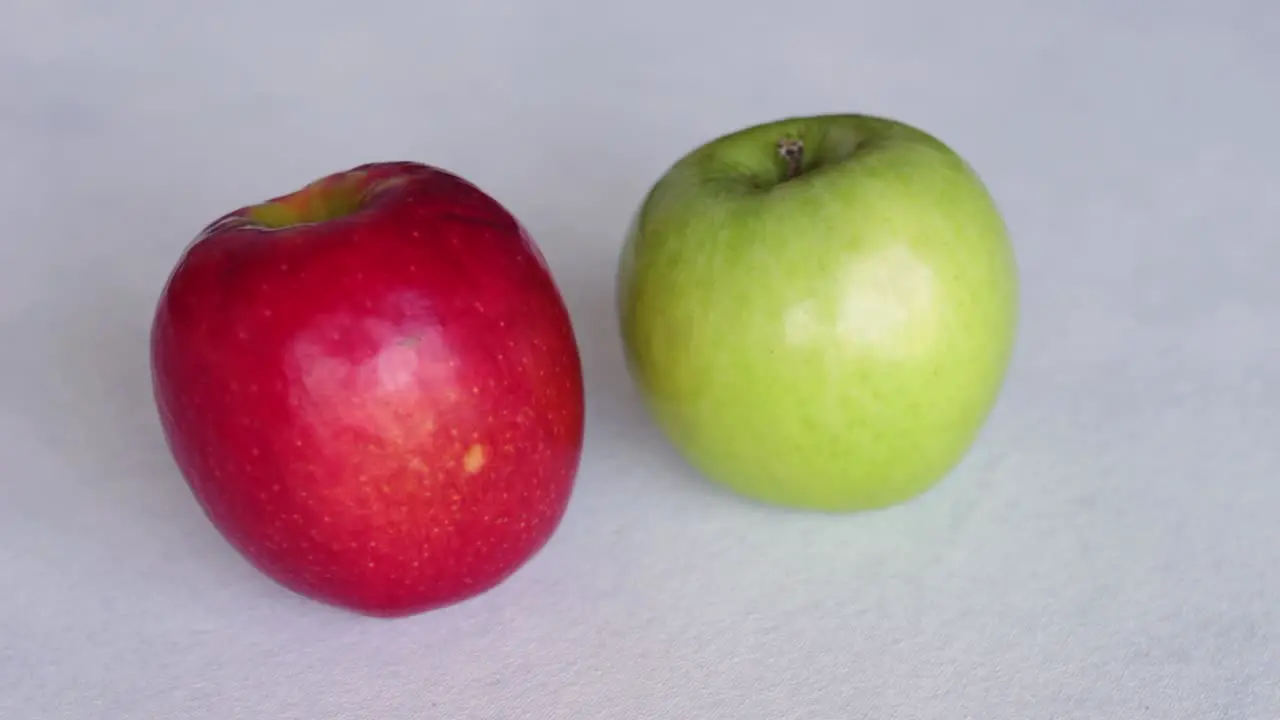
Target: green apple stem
<point>792,150</point>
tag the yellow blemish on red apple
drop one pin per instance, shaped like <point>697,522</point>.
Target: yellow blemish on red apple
<point>474,460</point>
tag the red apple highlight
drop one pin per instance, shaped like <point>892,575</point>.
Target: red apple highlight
<point>373,388</point>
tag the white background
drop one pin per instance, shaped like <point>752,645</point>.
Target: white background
<point>1110,548</point>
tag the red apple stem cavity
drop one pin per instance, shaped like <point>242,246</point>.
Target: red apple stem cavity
<point>792,151</point>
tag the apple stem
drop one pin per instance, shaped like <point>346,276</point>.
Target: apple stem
<point>792,150</point>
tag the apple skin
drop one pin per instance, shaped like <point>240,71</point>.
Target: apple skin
<point>373,388</point>
<point>832,341</point>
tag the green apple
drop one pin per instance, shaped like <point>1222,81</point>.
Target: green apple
<point>820,311</point>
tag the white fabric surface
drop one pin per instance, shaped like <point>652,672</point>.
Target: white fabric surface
<point>1110,548</point>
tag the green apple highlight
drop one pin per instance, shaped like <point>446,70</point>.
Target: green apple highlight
<point>820,312</point>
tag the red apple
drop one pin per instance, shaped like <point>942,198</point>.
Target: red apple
<point>373,388</point>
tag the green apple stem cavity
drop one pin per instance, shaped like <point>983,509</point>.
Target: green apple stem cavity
<point>819,311</point>
<point>791,150</point>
